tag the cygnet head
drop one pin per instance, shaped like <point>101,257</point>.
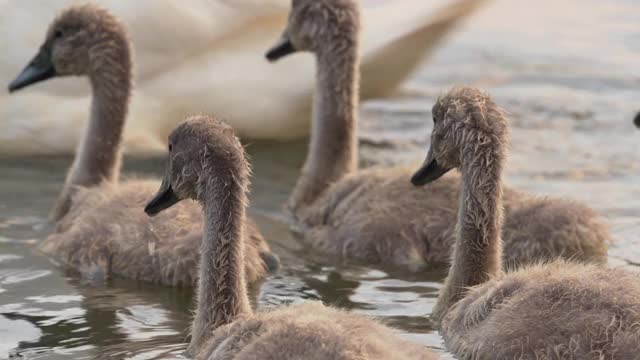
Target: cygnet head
<point>77,43</point>
<point>318,25</point>
<point>466,124</point>
<point>204,156</point>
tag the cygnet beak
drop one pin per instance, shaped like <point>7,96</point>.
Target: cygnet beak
<point>164,199</point>
<point>40,68</point>
<point>281,49</point>
<point>429,171</point>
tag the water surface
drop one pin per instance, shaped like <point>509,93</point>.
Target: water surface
<point>567,72</point>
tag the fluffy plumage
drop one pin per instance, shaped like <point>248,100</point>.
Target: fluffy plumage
<point>204,165</point>
<point>558,310</point>
<point>107,233</point>
<point>101,227</point>
<point>375,214</point>
<point>309,331</point>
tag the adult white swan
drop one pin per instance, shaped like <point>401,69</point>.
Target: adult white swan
<point>213,47</point>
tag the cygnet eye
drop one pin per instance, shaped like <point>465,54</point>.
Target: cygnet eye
<point>170,147</point>
<point>57,34</point>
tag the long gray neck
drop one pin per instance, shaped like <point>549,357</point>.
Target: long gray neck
<point>222,290</point>
<point>333,151</point>
<point>478,248</point>
<point>98,155</point>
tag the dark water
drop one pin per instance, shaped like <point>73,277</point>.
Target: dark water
<point>47,312</point>
<point>567,73</point>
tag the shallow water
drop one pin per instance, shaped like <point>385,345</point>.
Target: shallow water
<point>568,75</point>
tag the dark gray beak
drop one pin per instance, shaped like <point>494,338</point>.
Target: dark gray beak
<point>164,199</point>
<point>39,69</point>
<point>283,48</point>
<point>429,172</point>
<point>636,120</point>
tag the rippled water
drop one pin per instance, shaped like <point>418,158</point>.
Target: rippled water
<point>567,73</point>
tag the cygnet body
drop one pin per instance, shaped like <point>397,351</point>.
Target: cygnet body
<point>101,228</point>
<point>207,164</point>
<point>557,310</point>
<point>374,214</point>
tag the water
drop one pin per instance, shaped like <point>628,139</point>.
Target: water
<point>567,73</point>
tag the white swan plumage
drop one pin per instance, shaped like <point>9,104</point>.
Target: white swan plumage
<point>214,47</point>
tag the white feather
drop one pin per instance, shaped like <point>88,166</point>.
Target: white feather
<point>203,56</point>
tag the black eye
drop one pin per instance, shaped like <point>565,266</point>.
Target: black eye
<point>57,34</point>
<point>170,147</point>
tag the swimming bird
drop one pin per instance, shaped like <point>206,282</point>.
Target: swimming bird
<point>207,164</point>
<point>205,55</point>
<point>375,215</point>
<point>555,310</point>
<point>101,229</point>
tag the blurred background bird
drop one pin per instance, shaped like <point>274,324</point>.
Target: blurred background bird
<point>207,56</point>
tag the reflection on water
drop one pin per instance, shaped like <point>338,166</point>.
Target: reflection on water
<point>56,314</point>
<point>571,102</point>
